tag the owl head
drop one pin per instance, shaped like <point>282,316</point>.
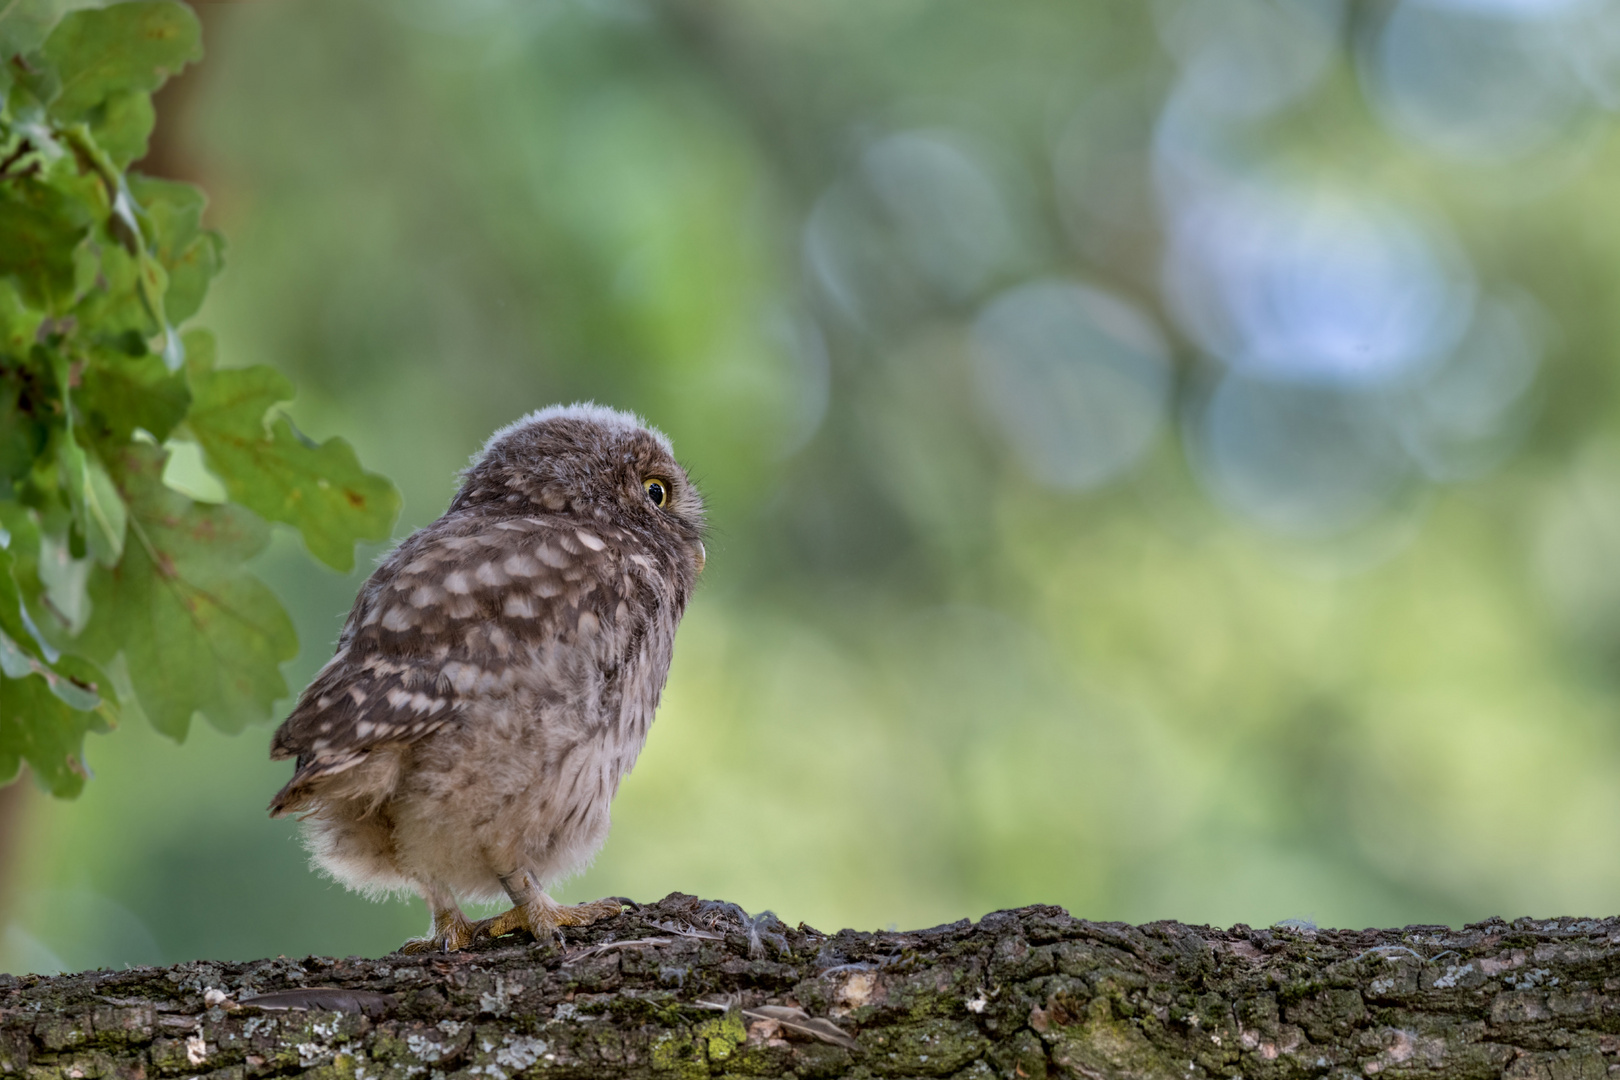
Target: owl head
<point>591,462</point>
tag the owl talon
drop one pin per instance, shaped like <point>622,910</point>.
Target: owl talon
<point>543,917</point>
<point>500,925</point>
<point>593,912</point>
<point>451,933</point>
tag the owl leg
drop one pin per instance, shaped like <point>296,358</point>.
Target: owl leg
<point>539,914</point>
<point>451,930</point>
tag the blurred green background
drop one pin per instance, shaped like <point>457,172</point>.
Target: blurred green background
<point>1164,458</point>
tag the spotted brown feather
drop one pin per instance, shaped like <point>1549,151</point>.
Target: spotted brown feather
<point>455,611</point>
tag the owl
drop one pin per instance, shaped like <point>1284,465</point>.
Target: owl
<point>497,677</point>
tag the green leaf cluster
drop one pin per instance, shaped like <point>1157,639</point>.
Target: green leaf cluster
<point>117,591</point>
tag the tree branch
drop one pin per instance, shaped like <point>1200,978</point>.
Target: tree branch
<point>690,988</point>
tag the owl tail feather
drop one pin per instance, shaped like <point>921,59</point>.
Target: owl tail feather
<point>299,791</point>
<point>314,784</point>
<point>290,799</point>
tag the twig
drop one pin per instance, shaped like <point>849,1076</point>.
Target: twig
<point>607,946</point>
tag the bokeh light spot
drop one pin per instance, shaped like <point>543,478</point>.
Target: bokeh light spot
<point>1479,81</point>
<point>1322,288</point>
<point>1247,58</point>
<point>1461,419</point>
<point>1076,380</point>
<point>1296,459</point>
<point>920,219</point>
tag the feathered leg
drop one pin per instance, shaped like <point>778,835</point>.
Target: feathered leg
<point>451,930</point>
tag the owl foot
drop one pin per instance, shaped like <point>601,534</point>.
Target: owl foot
<point>541,917</point>
<point>451,932</point>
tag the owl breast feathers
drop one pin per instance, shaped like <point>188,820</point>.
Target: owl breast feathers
<point>498,672</point>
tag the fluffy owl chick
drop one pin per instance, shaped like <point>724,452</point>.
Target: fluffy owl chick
<point>498,674</point>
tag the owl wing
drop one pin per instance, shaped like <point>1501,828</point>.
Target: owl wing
<point>454,615</point>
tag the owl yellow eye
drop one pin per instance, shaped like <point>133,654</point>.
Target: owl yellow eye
<point>657,490</point>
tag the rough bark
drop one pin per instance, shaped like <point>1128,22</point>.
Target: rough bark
<point>688,988</point>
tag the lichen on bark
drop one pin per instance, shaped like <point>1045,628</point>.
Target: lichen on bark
<point>686,988</point>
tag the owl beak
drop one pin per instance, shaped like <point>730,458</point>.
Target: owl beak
<point>703,556</point>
